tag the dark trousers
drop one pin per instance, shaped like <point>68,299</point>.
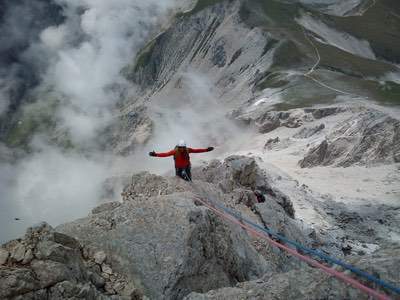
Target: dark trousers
<point>181,172</point>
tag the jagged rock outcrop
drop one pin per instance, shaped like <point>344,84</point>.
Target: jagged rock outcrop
<point>46,264</point>
<point>308,283</point>
<point>161,243</point>
<point>267,121</point>
<point>271,142</point>
<point>307,132</point>
<point>368,138</point>
<point>238,172</point>
<point>161,240</point>
<point>169,246</point>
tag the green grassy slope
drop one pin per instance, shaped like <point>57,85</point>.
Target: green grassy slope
<point>380,26</point>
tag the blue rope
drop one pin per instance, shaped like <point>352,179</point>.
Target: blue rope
<point>314,252</point>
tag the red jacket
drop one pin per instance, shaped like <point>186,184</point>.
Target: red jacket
<point>182,160</point>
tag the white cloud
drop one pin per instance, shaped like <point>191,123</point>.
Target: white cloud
<point>54,37</point>
<point>85,55</point>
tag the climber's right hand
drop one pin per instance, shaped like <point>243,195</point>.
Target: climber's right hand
<point>152,153</point>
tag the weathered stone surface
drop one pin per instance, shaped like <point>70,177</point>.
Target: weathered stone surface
<point>65,240</point>
<point>49,265</point>
<point>28,257</point>
<point>275,217</point>
<point>175,246</point>
<point>106,269</point>
<point>316,155</point>
<point>18,252</point>
<point>319,113</point>
<point>238,172</point>
<point>96,279</point>
<point>267,121</point>
<point>158,230</point>
<point>367,138</point>
<point>16,281</point>
<point>308,283</point>
<point>161,244</point>
<point>307,132</point>
<point>219,53</point>
<point>50,272</point>
<point>234,172</point>
<point>269,144</point>
<point>105,206</point>
<point>268,125</point>
<point>100,257</point>
<point>4,254</point>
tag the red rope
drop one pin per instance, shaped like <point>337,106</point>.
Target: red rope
<point>307,259</point>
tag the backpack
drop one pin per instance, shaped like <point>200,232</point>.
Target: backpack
<point>185,154</point>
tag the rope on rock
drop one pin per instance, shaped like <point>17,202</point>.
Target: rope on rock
<point>321,255</point>
<point>265,233</point>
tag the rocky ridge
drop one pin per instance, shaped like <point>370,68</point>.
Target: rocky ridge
<point>162,244</point>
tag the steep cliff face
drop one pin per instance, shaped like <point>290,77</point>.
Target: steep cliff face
<point>251,47</point>
<point>275,55</point>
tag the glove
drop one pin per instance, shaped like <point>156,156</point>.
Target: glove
<point>152,153</point>
<point>210,148</point>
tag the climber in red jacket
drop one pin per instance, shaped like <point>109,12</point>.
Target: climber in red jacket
<point>182,159</point>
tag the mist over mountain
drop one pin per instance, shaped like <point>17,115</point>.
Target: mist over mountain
<point>60,87</point>
<point>300,99</point>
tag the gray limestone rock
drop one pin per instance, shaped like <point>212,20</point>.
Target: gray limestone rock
<point>18,252</point>
<point>315,156</point>
<point>100,257</point>
<point>271,142</point>
<point>4,254</point>
<point>169,246</point>
<point>17,281</point>
<point>49,265</point>
<point>307,132</point>
<point>370,137</point>
<point>308,283</point>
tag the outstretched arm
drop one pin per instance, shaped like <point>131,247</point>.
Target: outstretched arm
<point>162,154</point>
<point>200,150</point>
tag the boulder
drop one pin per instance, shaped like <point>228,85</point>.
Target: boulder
<point>46,264</point>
